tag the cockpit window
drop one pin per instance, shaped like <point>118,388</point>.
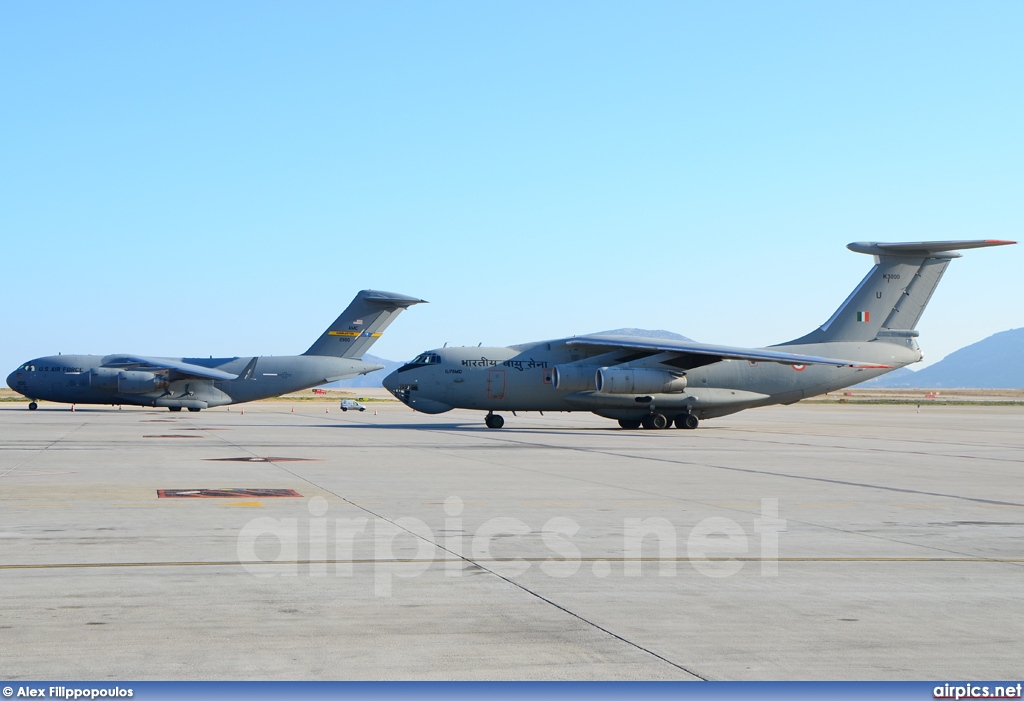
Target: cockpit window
<point>29,367</point>
<point>426,359</point>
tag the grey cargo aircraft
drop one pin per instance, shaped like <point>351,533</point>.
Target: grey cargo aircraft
<point>198,383</point>
<point>656,383</point>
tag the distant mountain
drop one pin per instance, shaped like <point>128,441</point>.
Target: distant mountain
<point>996,362</point>
<point>374,379</point>
<point>646,333</point>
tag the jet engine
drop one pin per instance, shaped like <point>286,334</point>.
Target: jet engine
<point>137,382</point>
<point>638,381</point>
<point>103,378</point>
<point>573,378</point>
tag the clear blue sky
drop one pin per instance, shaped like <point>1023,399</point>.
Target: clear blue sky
<point>221,178</point>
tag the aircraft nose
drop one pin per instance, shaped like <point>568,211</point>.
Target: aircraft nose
<point>10,380</point>
<point>391,382</point>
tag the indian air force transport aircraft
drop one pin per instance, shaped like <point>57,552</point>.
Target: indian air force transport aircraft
<point>656,383</point>
<point>198,383</point>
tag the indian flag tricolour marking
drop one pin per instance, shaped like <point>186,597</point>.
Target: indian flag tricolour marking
<point>863,316</point>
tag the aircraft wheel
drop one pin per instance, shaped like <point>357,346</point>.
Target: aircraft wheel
<point>687,421</point>
<point>32,406</point>
<point>174,408</point>
<point>494,421</point>
<point>193,409</point>
<point>630,424</point>
<point>655,421</point>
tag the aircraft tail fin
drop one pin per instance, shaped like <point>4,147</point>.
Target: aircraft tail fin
<point>890,300</point>
<point>361,324</point>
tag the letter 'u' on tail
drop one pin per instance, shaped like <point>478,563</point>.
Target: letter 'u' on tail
<point>891,299</point>
<point>361,324</point>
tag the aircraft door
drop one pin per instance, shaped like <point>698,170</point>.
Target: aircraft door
<point>496,384</point>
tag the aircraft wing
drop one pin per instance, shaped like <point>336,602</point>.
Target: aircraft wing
<point>708,353</point>
<point>141,362</point>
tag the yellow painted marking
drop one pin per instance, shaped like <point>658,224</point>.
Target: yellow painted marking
<point>243,503</point>
<point>552,503</point>
<point>46,504</point>
<point>919,506</point>
<point>733,504</point>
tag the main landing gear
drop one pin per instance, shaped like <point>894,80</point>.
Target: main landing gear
<point>32,406</point>
<point>494,420</point>
<point>174,408</point>
<point>657,421</point>
<point>687,421</point>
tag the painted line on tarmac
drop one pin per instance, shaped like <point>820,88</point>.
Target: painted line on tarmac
<point>652,560</point>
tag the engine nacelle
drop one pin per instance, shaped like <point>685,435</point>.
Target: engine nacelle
<point>574,378</point>
<point>138,382</point>
<point>638,381</point>
<point>103,378</point>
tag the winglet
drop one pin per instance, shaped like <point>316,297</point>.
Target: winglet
<point>249,370</point>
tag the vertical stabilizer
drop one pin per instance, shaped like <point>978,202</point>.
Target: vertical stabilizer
<point>361,324</point>
<point>893,295</point>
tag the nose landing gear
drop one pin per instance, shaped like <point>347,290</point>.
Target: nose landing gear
<point>493,420</point>
<point>32,406</point>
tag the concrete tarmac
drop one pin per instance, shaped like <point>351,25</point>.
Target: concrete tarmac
<point>804,542</point>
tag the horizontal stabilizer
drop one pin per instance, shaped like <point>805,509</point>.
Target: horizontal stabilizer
<point>922,249</point>
<point>717,352</point>
<point>893,295</point>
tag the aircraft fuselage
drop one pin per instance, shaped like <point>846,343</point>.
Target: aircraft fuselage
<point>83,379</point>
<point>522,378</point>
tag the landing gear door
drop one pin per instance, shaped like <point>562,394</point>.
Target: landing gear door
<point>496,384</point>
